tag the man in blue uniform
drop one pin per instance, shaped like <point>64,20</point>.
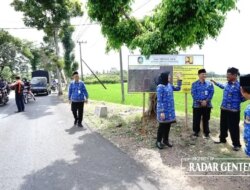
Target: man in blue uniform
<point>202,93</point>
<point>77,96</point>
<point>245,90</point>
<point>230,109</point>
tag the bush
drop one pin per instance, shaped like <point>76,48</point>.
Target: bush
<point>105,78</point>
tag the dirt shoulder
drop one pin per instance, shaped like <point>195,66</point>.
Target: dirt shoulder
<point>123,128</point>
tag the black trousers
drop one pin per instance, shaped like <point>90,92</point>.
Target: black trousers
<point>19,102</point>
<point>77,110</point>
<point>163,132</point>
<point>230,121</point>
<point>205,113</point>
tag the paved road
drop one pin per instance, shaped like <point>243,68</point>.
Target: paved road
<point>41,150</point>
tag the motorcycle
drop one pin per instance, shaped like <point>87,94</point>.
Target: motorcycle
<point>27,95</point>
<point>4,98</point>
<point>54,87</point>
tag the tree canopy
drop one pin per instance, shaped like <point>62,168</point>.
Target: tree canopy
<point>49,16</point>
<point>13,52</point>
<point>174,25</point>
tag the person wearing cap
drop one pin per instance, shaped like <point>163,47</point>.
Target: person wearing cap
<point>245,91</point>
<point>165,108</point>
<point>77,96</point>
<point>202,92</point>
<point>18,86</point>
<point>230,109</point>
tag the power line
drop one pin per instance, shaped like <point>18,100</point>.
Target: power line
<point>143,5</point>
<point>82,30</point>
<point>79,29</point>
<point>28,28</point>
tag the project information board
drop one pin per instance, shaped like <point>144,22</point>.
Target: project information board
<point>143,72</point>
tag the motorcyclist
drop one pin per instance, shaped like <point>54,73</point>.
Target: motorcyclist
<point>2,83</point>
<point>3,92</point>
<point>4,86</point>
<point>28,87</point>
<point>54,85</point>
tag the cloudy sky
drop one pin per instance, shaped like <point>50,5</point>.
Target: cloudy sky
<point>231,48</point>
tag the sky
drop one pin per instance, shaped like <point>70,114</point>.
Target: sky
<point>231,48</point>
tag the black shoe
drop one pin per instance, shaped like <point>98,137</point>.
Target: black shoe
<point>195,135</point>
<point>159,145</point>
<point>207,136</point>
<point>167,144</point>
<point>18,111</point>
<point>75,122</point>
<point>220,142</point>
<point>236,148</point>
<point>80,125</point>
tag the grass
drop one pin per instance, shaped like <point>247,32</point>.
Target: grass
<point>113,94</point>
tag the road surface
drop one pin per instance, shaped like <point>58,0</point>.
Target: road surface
<point>41,150</point>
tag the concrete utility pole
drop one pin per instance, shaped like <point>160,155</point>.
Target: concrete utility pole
<point>80,46</point>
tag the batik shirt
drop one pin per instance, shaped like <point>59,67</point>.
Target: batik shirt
<point>165,101</point>
<point>232,97</point>
<point>247,130</point>
<point>202,91</point>
<point>77,92</point>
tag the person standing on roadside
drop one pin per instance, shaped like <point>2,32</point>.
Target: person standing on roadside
<point>77,95</point>
<point>202,92</point>
<point>18,86</point>
<point>165,108</point>
<point>245,91</point>
<point>230,109</point>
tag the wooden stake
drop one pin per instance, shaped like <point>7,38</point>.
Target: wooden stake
<point>143,115</point>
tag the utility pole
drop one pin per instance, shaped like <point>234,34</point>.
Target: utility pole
<point>121,74</point>
<point>80,46</point>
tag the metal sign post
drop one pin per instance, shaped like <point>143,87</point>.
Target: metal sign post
<point>186,110</point>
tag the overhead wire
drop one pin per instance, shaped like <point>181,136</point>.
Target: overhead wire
<point>29,28</point>
<point>143,5</point>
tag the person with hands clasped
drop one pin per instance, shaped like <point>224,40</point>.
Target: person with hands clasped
<point>202,92</point>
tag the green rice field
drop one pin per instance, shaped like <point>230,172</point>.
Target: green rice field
<point>113,94</point>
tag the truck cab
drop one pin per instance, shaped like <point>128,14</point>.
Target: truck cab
<point>40,83</point>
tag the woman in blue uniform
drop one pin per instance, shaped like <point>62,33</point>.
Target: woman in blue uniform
<point>245,90</point>
<point>165,108</point>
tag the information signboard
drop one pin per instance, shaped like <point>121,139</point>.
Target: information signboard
<point>144,72</point>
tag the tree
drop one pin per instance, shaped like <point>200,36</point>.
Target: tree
<point>174,26</point>
<point>68,45</point>
<point>6,73</point>
<point>13,52</point>
<point>49,16</point>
